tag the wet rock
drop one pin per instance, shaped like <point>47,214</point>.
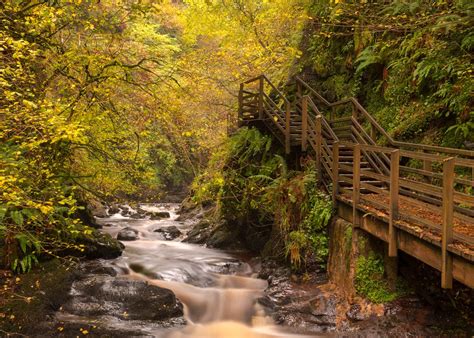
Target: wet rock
<point>355,313</point>
<point>142,212</point>
<point>188,210</point>
<point>159,215</point>
<point>108,225</point>
<point>114,209</point>
<point>126,211</point>
<point>222,237</point>
<point>137,216</point>
<point>200,233</point>
<point>98,245</point>
<point>97,267</point>
<point>89,211</point>
<point>126,299</point>
<point>323,305</point>
<point>169,233</point>
<point>97,209</point>
<point>127,234</point>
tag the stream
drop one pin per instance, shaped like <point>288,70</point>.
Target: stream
<point>218,292</point>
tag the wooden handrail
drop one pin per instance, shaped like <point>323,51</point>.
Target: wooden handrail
<point>381,130</point>
<point>375,169</point>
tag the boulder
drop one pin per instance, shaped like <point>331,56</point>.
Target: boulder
<point>97,209</point>
<point>169,233</point>
<point>159,215</point>
<point>88,211</point>
<point>141,211</point>
<point>125,210</point>
<point>137,216</point>
<point>127,234</point>
<point>98,245</point>
<point>122,298</point>
<point>221,238</point>
<point>200,233</point>
<point>114,209</point>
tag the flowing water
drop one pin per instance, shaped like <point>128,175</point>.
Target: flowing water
<point>218,291</point>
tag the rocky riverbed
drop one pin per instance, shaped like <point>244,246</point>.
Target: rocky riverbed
<point>163,287</point>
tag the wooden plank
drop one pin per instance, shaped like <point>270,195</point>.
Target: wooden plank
<point>421,156</point>
<point>435,175</point>
<point>288,128</point>
<point>394,193</point>
<point>318,144</point>
<point>346,180</point>
<point>342,119</point>
<point>356,185</point>
<point>447,234</point>
<point>304,130</point>
<point>436,202</point>
<point>372,188</point>
<point>335,173</point>
<point>375,176</point>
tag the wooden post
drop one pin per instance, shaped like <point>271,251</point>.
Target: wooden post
<point>260,99</point>
<point>447,234</point>
<point>333,113</point>
<point>427,166</point>
<point>241,106</point>
<point>373,133</point>
<point>356,186</point>
<point>318,146</point>
<point>394,191</point>
<point>304,124</point>
<point>335,173</point>
<point>288,128</point>
<point>354,111</point>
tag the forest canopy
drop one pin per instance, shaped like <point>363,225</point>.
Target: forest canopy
<point>127,99</point>
<point>119,99</point>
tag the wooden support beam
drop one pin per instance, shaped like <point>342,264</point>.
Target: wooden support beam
<point>304,124</point>
<point>394,197</point>
<point>356,186</point>
<point>260,98</point>
<point>335,172</point>
<point>319,142</point>
<point>447,233</point>
<point>288,128</point>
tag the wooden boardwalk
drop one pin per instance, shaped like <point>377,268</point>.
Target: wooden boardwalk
<point>417,198</point>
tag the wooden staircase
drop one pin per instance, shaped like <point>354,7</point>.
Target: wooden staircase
<point>393,181</point>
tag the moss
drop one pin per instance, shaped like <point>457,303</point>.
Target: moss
<point>370,282</point>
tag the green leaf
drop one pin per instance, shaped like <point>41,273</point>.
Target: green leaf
<point>24,242</point>
<point>3,212</point>
<point>17,217</point>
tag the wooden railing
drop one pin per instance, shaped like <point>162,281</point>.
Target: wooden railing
<point>413,186</point>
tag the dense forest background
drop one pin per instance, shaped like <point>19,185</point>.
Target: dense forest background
<point>124,99</point>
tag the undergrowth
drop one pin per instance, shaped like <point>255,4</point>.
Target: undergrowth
<point>251,185</point>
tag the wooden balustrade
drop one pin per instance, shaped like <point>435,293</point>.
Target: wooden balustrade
<point>379,171</point>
